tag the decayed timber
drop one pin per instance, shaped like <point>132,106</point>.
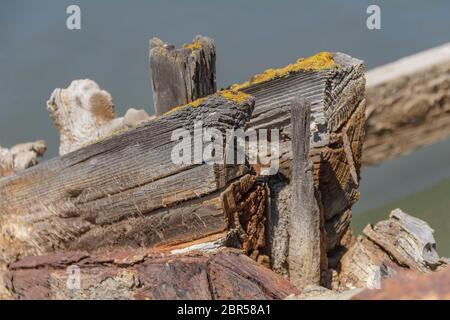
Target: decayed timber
<point>20,157</point>
<point>145,274</point>
<point>401,242</point>
<point>83,113</point>
<point>334,84</point>
<point>305,222</point>
<point>126,190</point>
<point>183,75</point>
<point>408,104</point>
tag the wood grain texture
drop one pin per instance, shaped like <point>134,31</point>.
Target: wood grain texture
<point>305,217</point>
<point>146,274</point>
<point>122,190</point>
<point>180,76</point>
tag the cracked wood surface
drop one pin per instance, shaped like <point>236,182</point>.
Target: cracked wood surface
<point>145,274</point>
<point>337,135</point>
<point>306,251</point>
<point>182,75</point>
<point>124,190</point>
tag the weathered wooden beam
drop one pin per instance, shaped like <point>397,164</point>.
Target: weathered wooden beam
<point>127,190</point>
<point>334,84</point>
<point>305,234</point>
<point>408,105</point>
<point>144,274</point>
<point>183,75</point>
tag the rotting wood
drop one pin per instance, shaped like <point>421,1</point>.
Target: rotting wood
<point>20,157</point>
<point>334,84</point>
<point>401,242</point>
<point>146,274</point>
<point>83,113</point>
<point>126,190</point>
<point>304,221</point>
<point>183,75</point>
<point>408,104</point>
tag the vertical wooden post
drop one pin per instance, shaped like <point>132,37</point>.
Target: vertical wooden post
<point>180,76</point>
<point>304,221</point>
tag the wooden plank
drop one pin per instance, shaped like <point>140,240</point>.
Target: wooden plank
<point>304,219</point>
<point>408,104</point>
<point>334,84</point>
<point>183,75</point>
<point>124,190</point>
<point>400,242</point>
<point>145,274</point>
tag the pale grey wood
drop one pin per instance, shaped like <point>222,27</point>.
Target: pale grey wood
<point>337,106</point>
<point>180,76</point>
<point>304,219</point>
<point>408,239</point>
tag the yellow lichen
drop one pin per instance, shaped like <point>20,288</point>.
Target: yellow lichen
<point>236,96</point>
<point>196,45</point>
<point>193,104</point>
<point>322,60</point>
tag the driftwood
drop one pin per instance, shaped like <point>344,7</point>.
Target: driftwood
<point>402,242</point>
<point>305,222</point>
<point>408,104</point>
<point>84,113</point>
<point>145,274</point>
<point>126,190</point>
<point>20,157</point>
<point>183,75</point>
<point>334,84</point>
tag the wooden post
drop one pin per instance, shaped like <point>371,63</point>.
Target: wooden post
<point>304,219</point>
<point>180,76</point>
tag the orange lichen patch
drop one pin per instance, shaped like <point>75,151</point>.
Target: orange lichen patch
<point>196,45</point>
<point>320,61</point>
<point>237,97</point>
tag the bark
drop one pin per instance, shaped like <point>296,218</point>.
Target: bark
<point>305,248</point>
<point>145,274</point>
